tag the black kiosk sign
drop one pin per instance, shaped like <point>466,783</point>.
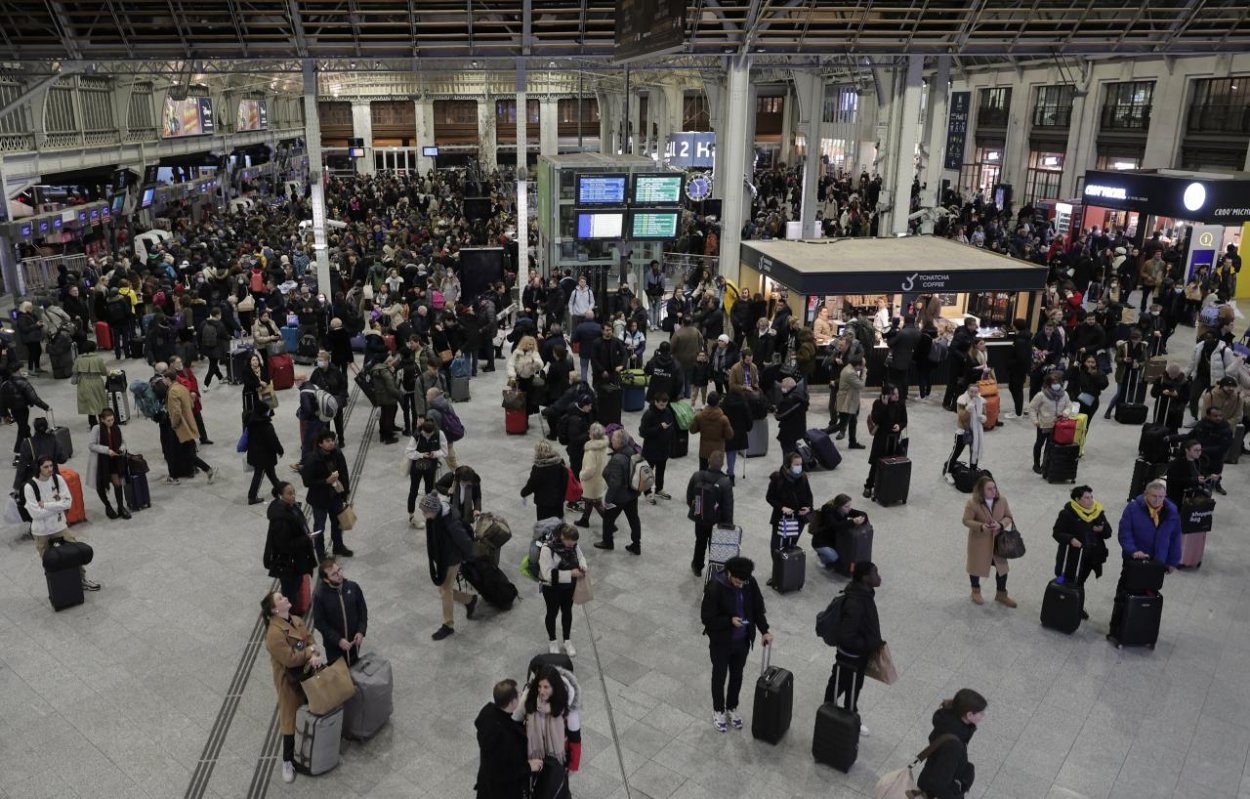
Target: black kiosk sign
<point>648,27</point>
<point>1189,197</point>
<point>957,129</point>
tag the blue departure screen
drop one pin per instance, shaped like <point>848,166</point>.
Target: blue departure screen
<point>601,189</point>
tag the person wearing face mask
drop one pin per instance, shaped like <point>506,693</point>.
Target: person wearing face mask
<point>331,379</point>
<point>947,772</point>
<point>790,495</point>
<point>1085,385</point>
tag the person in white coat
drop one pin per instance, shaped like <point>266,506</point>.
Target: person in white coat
<point>47,501</point>
<point>969,430</point>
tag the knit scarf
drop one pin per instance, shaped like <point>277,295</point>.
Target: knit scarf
<point>1087,516</point>
<point>545,734</point>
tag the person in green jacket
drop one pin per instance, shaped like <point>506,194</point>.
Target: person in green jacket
<point>387,393</point>
<point>89,375</point>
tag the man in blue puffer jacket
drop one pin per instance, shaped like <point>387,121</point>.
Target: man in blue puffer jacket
<point>1150,527</point>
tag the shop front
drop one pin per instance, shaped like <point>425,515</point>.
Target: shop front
<point>1206,211</point>
<point>840,278</point>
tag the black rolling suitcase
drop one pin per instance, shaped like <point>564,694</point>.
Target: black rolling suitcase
<point>774,701</point>
<point>1130,410</point>
<point>835,741</point>
<point>1061,463</point>
<point>608,404</point>
<point>1135,620</point>
<point>823,448</point>
<point>854,545</point>
<point>61,563</point>
<point>681,444</point>
<point>1063,602</point>
<point>1143,472</point>
<point>789,569</point>
<point>1153,445</point>
<point>548,659</point>
<point>893,480</point>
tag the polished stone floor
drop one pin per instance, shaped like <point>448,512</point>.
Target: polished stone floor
<point>154,684</point>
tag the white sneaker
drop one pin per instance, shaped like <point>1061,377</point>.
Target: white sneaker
<point>863,731</point>
<point>735,720</point>
<point>171,481</point>
<point>569,650</point>
<point>553,647</point>
<point>212,475</point>
<point>416,521</point>
<point>288,771</point>
<point>718,719</point>
<point>950,478</point>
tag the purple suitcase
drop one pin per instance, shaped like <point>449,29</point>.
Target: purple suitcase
<point>823,448</point>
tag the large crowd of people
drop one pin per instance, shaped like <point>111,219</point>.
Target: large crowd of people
<point>237,294</point>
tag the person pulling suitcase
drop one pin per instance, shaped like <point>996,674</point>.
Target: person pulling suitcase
<point>732,612</point>
<point>856,629</point>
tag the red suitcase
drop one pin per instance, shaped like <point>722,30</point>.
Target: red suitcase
<point>516,422</point>
<point>78,509</point>
<point>103,336</point>
<point>282,371</point>
<point>1193,546</point>
<point>1064,431</point>
<point>992,406</point>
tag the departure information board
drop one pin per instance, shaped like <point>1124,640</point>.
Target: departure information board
<point>653,225</point>
<point>657,189</point>
<point>601,189</point>
<point>600,224</point>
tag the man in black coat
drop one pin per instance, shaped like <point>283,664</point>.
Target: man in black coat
<point>325,475</point>
<point>902,345</point>
<point>710,497</point>
<point>340,613</point>
<point>504,771</point>
<point>658,428</point>
<point>791,415</point>
<point>732,611</point>
<point>608,358</point>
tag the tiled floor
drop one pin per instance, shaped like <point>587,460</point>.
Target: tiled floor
<point>119,698</point>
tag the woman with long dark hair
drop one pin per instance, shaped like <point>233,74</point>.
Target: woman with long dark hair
<point>291,650</point>
<point>947,772</point>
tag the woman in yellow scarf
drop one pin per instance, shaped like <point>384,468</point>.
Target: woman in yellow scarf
<point>1082,531</point>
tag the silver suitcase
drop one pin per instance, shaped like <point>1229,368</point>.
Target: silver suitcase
<point>370,708</point>
<point>317,740</point>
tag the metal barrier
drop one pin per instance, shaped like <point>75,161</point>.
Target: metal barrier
<point>40,271</point>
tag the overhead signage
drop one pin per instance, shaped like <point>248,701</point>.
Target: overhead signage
<point>957,129</point>
<point>1224,202</point>
<point>190,117</point>
<point>691,150</point>
<point>648,28</point>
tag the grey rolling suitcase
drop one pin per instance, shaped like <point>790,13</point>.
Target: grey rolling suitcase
<point>370,708</point>
<point>317,740</point>
<point>460,389</point>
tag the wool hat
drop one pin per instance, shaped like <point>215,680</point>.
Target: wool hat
<point>430,503</point>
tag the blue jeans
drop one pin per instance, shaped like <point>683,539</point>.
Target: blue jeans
<point>827,555</point>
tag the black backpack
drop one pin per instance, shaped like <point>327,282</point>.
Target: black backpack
<point>829,620</point>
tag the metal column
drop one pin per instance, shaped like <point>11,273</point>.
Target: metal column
<point>901,169</point>
<point>312,139</point>
<point>809,86</point>
<point>731,160</point>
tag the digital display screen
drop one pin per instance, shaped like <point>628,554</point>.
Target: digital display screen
<point>601,189</point>
<point>600,224</point>
<point>149,194</point>
<point>190,117</point>
<point>355,152</point>
<point>119,203</point>
<point>655,225</point>
<point>657,189</point>
<point>429,152</point>
<point>251,115</point>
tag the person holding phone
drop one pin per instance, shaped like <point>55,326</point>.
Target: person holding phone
<point>732,612</point>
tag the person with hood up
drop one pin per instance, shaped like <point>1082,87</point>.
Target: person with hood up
<point>505,768</point>
<point>89,376</point>
<point>732,612</point>
<point>548,482</point>
<point>665,376</point>
<point>340,613</point>
<point>947,772</point>
<point>448,543</point>
<point>791,415</point>
<point>289,551</point>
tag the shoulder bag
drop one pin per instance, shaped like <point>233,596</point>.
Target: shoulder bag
<point>328,688</point>
<point>1009,544</point>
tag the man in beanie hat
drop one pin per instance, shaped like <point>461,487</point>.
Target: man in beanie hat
<point>448,542</point>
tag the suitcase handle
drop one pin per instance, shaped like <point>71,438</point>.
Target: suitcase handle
<point>1079,555</point>
<point>767,657</point>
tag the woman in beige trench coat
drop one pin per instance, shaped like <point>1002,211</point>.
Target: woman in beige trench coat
<point>986,515</point>
<point>291,646</point>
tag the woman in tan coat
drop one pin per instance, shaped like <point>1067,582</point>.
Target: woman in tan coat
<point>291,646</point>
<point>594,487</point>
<point>986,515</point>
<point>713,428</point>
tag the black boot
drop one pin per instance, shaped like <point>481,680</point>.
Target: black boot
<point>121,502</point>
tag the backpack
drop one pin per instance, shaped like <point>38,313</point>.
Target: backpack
<point>829,620</point>
<point>258,281</point>
<point>208,335</point>
<point>641,476</point>
<point>490,533</point>
<point>437,300</point>
<point>939,350</point>
<point>545,532</point>
<point>706,506</point>
<point>453,428</point>
<point>323,404</point>
<point>146,400</point>
<point>10,395</point>
<point>1210,316</point>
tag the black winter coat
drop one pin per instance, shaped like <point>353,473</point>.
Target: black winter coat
<point>719,607</point>
<point>504,771</point>
<point>657,442</point>
<point>263,447</point>
<point>448,542</point>
<point>736,408</point>
<point>665,376</point>
<point>547,483</point>
<point>859,633</point>
<point>319,465</point>
<point>788,491</point>
<point>791,418</point>
<point>832,524</point>
<point>339,612</point>
<point>1094,543</point>
<point>288,548</point>
<point>947,773</point>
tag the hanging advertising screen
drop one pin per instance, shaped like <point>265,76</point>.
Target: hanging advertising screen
<point>251,115</point>
<point>190,117</point>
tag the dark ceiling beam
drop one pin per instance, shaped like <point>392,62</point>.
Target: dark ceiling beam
<point>57,13</point>
<point>297,27</point>
<point>1182,21</point>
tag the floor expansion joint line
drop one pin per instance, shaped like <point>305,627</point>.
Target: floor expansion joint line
<point>607,702</point>
<point>263,773</point>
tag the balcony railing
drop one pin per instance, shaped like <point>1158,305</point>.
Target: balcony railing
<point>1125,117</point>
<point>992,117</point>
<point>1219,119</point>
<point>1052,116</point>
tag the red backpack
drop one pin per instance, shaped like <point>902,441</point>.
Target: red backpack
<point>258,281</point>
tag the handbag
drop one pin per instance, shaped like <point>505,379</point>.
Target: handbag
<point>136,464</point>
<point>243,440</point>
<point>901,783</point>
<point>328,688</point>
<point>1085,398</point>
<point>1009,544</point>
<point>787,527</point>
<point>881,666</point>
<point>269,395</point>
<point>573,488</point>
<point>583,591</point>
<point>347,517</point>
<point>513,399</point>
<point>445,356</point>
<point>552,782</point>
<point>275,347</point>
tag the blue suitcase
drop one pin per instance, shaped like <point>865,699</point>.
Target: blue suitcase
<point>633,398</point>
<point>290,338</point>
<point>823,448</point>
